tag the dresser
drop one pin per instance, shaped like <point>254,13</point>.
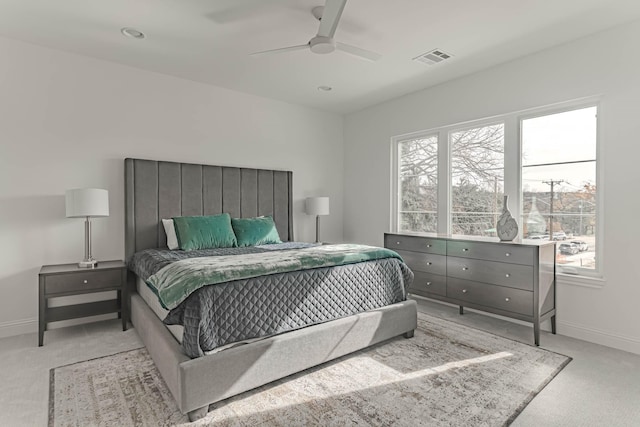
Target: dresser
<point>512,279</point>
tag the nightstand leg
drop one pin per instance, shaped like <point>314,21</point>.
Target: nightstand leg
<point>536,333</point>
<point>124,299</point>
<point>553,324</point>
<point>119,298</point>
<point>461,310</point>
<point>42,310</point>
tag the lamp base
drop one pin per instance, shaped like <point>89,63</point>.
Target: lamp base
<point>88,263</point>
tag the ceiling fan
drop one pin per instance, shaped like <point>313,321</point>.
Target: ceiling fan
<point>323,42</point>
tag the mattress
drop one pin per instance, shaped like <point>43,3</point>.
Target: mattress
<point>152,301</point>
<point>215,317</point>
<point>176,330</point>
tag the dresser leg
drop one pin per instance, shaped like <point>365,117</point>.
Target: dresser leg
<point>536,333</point>
<point>553,324</point>
<point>461,310</point>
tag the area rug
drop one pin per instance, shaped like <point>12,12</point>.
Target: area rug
<point>447,375</point>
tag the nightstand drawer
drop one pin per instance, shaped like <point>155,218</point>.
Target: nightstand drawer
<point>429,263</point>
<point>498,273</point>
<point>501,252</point>
<point>415,243</point>
<point>425,283</point>
<point>507,299</point>
<point>82,281</point>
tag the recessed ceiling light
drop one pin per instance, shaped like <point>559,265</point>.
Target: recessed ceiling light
<point>132,32</point>
<point>325,88</point>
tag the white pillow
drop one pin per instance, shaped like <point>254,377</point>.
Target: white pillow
<point>170,231</point>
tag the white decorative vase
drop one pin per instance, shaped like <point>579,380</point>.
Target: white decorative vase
<point>507,227</point>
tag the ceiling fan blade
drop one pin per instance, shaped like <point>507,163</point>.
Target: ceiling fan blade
<point>330,17</point>
<point>356,51</point>
<point>281,50</point>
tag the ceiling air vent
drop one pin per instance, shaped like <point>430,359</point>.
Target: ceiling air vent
<point>432,57</point>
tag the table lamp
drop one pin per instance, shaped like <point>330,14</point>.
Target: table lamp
<point>87,203</point>
<point>317,206</point>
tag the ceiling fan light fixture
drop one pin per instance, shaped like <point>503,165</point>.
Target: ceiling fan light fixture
<point>320,44</point>
<point>132,32</point>
<point>324,88</point>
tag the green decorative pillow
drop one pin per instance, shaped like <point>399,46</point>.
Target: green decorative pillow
<point>204,232</point>
<point>255,231</point>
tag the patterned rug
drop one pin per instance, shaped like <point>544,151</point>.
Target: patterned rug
<point>447,375</point>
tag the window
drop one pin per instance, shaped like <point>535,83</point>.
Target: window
<point>477,175</point>
<point>452,180</point>
<point>559,183</point>
<point>418,184</point>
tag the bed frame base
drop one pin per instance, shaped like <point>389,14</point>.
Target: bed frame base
<point>196,383</point>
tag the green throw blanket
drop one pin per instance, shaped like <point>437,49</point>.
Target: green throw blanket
<point>175,282</point>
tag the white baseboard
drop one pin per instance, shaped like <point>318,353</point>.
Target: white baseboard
<point>596,336</point>
<point>569,329</point>
<point>18,327</point>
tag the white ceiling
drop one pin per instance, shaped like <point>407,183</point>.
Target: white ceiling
<point>210,40</point>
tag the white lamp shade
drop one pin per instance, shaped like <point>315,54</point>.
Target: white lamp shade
<point>317,205</point>
<point>83,202</point>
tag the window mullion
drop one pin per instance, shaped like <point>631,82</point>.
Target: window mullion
<point>512,162</point>
<point>444,183</point>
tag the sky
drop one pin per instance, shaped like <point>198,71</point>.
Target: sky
<point>561,137</point>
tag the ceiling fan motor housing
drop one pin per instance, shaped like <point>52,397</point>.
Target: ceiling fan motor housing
<point>320,44</point>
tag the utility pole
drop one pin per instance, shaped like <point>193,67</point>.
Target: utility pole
<point>551,182</point>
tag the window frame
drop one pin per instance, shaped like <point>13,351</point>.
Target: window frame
<point>396,203</point>
<point>598,271</point>
<point>458,128</point>
<point>512,123</point>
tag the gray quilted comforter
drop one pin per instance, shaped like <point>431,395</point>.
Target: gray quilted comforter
<point>234,311</point>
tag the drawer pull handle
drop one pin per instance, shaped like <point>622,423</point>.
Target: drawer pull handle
<point>507,275</point>
<point>464,291</point>
<point>397,243</point>
<point>85,281</point>
<point>428,245</point>
<point>507,254</point>
<point>465,268</point>
<point>428,283</point>
<point>507,299</point>
<point>428,263</point>
<point>465,249</point>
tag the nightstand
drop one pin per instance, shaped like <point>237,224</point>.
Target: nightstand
<point>69,279</point>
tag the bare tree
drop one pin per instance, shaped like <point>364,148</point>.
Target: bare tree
<point>477,175</point>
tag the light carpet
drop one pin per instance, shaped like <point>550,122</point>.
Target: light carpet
<point>447,375</point>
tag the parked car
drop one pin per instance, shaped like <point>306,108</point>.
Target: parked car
<point>568,248</point>
<point>539,237</point>
<point>581,244</point>
<point>559,235</point>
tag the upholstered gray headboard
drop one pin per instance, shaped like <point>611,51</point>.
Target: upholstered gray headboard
<point>157,189</point>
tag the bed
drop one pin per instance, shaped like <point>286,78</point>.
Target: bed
<point>155,190</point>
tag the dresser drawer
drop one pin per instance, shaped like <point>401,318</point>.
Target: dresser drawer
<point>500,297</point>
<point>429,263</point>
<point>415,243</point>
<point>82,281</point>
<point>498,273</point>
<point>425,283</point>
<point>492,252</point>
